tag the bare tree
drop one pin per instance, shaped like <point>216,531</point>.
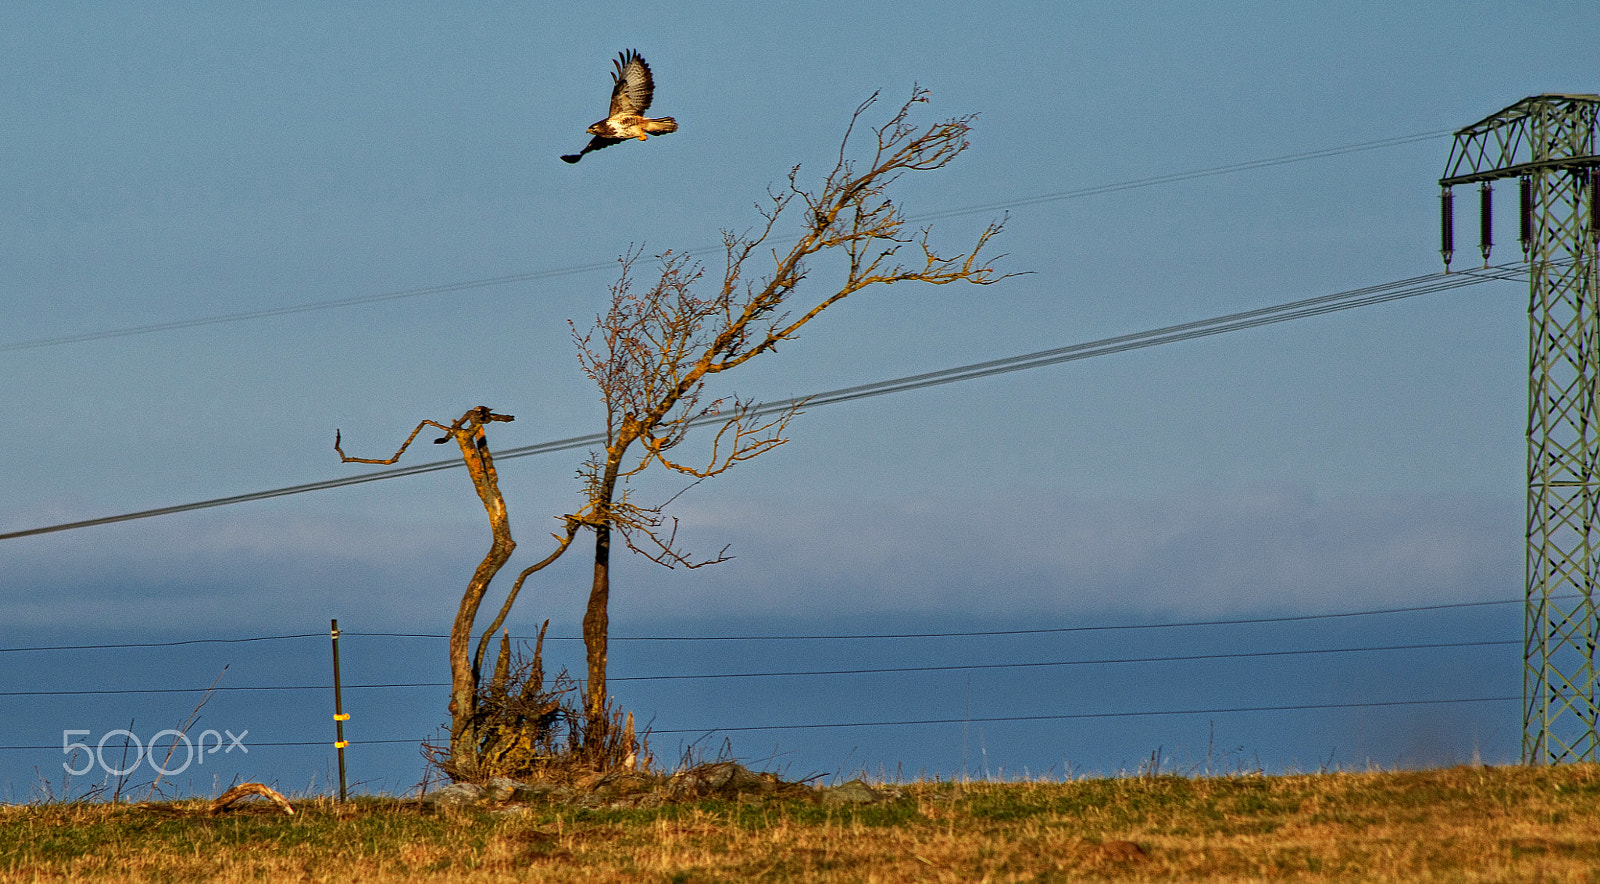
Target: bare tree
<point>469,739</point>
<point>653,351</point>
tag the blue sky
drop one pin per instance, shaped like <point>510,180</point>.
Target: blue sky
<point>187,161</point>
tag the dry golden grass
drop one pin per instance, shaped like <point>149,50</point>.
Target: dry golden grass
<point>1463,824</point>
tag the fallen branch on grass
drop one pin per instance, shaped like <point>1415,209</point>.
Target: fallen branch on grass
<point>244,790</point>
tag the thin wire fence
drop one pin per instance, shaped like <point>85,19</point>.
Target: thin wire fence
<point>1294,652</point>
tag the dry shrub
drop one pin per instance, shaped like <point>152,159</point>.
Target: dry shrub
<point>532,731</point>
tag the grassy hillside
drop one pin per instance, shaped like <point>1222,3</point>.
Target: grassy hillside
<point>1462,824</point>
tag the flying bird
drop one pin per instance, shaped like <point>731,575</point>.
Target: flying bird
<point>631,90</point>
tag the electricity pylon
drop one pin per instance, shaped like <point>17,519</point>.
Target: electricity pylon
<point>1547,142</point>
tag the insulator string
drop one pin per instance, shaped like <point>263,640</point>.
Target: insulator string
<point>1485,221</point>
<point>1447,226</point>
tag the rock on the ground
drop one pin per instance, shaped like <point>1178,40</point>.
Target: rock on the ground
<point>456,795</point>
<point>721,779</point>
<point>502,788</point>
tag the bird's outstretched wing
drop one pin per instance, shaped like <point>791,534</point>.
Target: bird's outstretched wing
<point>595,143</point>
<point>632,85</point>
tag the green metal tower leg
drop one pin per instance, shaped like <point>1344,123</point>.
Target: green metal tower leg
<point>1549,142</point>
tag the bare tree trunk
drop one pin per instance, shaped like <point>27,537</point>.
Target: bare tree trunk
<point>464,675</point>
<point>596,627</point>
<point>597,617</point>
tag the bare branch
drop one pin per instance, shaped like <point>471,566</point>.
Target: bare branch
<point>664,550</point>
<point>750,439</point>
<point>345,458</point>
<point>562,542</point>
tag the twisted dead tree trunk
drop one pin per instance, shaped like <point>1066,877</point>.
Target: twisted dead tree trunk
<point>467,743</point>
<point>652,353</point>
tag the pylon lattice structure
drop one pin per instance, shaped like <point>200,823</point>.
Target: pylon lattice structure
<point>1548,143</point>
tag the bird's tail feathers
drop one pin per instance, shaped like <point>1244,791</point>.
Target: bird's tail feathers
<point>661,126</point>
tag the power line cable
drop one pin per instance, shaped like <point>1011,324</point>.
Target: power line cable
<point>817,673</point>
<point>172,644</point>
<point>1069,716</point>
<point>1073,716</point>
<point>1421,285</point>
<point>1110,661</point>
<point>253,744</point>
<point>1099,189</point>
<point>752,638</point>
<point>1045,630</point>
<point>1362,297</point>
<point>219,319</point>
<point>575,269</point>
